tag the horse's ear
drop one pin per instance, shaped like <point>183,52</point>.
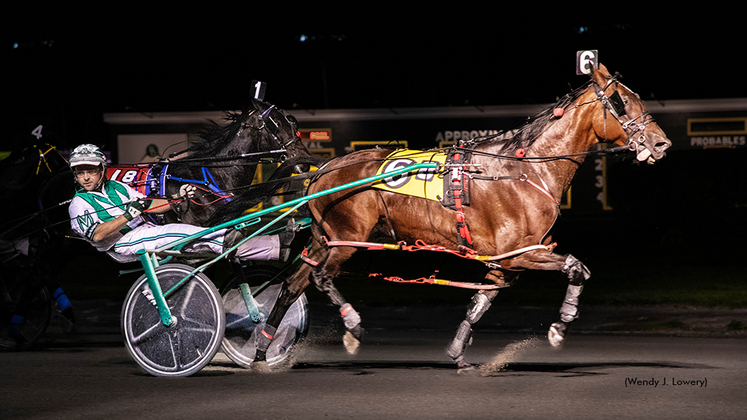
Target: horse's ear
<point>601,75</point>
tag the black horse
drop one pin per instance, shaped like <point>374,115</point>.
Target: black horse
<point>36,187</point>
<point>223,164</point>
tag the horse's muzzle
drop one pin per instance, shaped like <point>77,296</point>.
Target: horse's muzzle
<point>650,148</point>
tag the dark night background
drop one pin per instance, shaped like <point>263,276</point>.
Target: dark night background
<point>65,69</point>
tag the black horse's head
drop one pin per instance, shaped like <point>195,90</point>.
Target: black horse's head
<point>29,167</point>
<point>278,129</point>
<point>259,127</point>
<point>36,185</point>
<point>225,160</point>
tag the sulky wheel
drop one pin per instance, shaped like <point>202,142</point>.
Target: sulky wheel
<point>241,329</point>
<point>185,347</point>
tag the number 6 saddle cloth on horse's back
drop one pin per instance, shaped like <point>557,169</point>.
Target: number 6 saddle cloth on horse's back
<point>448,183</point>
<point>448,186</point>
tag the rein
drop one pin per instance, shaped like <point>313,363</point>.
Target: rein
<point>195,161</point>
<point>541,159</point>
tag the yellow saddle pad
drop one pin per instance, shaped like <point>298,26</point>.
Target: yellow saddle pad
<point>424,183</point>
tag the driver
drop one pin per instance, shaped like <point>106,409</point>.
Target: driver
<point>107,213</point>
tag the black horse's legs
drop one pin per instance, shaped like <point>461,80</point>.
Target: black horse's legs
<point>577,274</point>
<point>292,288</point>
<point>480,303</point>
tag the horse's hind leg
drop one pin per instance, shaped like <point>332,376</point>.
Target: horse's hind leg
<point>478,306</point>
<point>323,278</point>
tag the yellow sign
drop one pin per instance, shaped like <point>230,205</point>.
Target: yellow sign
<point>425,183</point>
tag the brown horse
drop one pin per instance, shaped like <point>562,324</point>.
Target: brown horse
<point>515,187</point>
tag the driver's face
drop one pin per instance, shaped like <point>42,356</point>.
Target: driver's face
<point>88,176</point>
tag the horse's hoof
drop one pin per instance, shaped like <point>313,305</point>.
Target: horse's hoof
<point>556,335</point>
<point>468,370</point>
<point>351,343</point>
<point>260,367</point>
<point>465,368</point>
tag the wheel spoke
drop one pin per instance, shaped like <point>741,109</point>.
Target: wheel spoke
<point>237,321</point>
<point>152,331</point>
<point>194,326</point>
<point>185,296</point>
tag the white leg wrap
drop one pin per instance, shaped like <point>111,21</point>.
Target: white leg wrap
<point>569,309</point>
<point>479,305</point>
<point>350,317</point>
<point>575,269</point>
<point>476,309</point>
<point>461,338</point>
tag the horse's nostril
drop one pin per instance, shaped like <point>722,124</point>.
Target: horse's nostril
<point>663,144</point>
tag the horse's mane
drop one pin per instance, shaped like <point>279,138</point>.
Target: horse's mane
<point>524,136</point>
<point>217,137</point>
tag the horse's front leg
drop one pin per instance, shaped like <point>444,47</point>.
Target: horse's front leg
<point>291,289</point>
<point>577,275</point>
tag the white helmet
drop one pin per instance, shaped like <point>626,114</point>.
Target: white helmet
<point>87,154</point>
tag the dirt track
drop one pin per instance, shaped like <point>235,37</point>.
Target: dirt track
<point>97,319</point>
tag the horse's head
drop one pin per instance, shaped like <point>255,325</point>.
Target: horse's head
<point>625,119</point>
<point>276,130</point>
<point>32,164</point>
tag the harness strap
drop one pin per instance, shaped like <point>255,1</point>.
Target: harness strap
<point>523,178</point>
<point>538,187</point>
<point>207,184</point>
<point>422,246</point>
<point>305,258</point>
<point>43,158</point>
<point>162,180</point>
<point>433,280</point>
<point>456,194</point>
<point>207,180</point>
